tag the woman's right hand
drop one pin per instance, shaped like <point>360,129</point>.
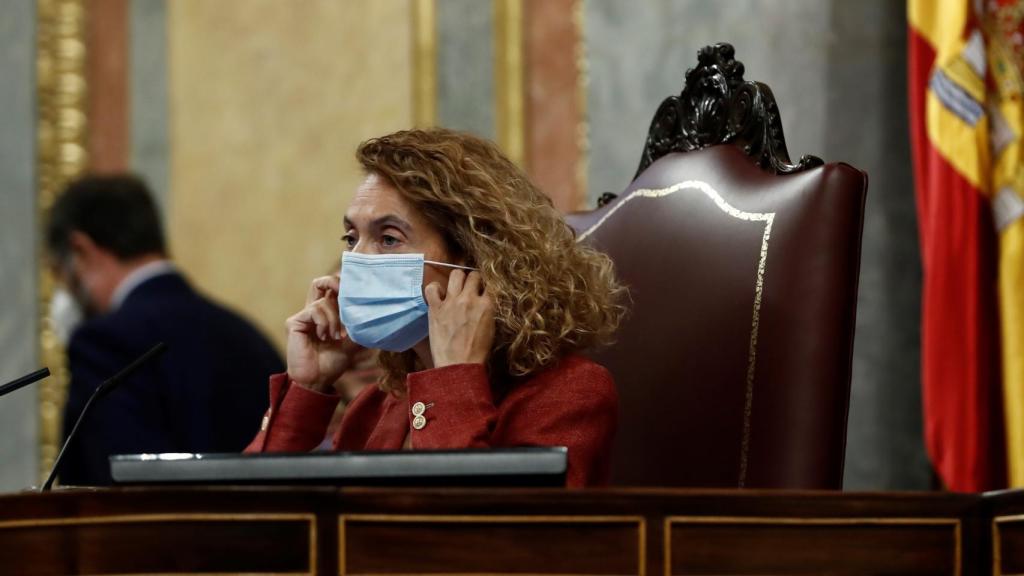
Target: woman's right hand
<point>319,350</point>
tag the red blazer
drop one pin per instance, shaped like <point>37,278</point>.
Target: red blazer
<point>572,404</point>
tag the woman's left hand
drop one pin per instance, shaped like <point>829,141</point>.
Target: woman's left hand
<point>461,320</point>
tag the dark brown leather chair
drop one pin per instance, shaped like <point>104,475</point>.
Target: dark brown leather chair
<point>733,366</point>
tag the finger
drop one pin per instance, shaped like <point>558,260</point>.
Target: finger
<point>299,322</point>
<point>320,321</point>
<point>433,294</point>
<point>486,300</point>
<point>473,284</point>
<point>329,308</point>
<point>316,315</point>
<point>455,281</point>
<point>321,287</point>
<point>326,321</point>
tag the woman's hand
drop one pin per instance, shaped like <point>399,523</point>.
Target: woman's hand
<point>319,350</point>
<point>461,320</point>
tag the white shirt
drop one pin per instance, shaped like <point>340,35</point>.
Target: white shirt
<point>137,277</point>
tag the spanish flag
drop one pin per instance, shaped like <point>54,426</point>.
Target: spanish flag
<point>966,61</point>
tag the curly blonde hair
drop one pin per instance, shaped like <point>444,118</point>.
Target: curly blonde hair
<point>552,296</point>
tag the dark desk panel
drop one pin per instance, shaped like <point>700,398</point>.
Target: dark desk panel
<point>1005,515</point>
<point>280,530</point>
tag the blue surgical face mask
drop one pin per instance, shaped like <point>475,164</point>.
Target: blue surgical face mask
<point>381,299</point>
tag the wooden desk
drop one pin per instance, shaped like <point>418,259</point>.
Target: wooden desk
<point>528,531</point>
<point>1005,511</point>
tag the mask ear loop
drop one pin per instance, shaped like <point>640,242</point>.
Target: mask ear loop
<point>450,265</point>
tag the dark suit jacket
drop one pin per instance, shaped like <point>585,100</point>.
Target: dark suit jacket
<point>206,393</point>
<point>572,404</point>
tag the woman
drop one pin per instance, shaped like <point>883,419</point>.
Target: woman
<point>474,290</point>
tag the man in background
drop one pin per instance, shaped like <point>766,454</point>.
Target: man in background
<point>119,296</point>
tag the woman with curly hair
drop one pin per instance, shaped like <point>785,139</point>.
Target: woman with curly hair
<point>480,300</point>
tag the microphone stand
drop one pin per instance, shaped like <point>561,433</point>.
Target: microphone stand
<point>24,381</point>
<point>101,390</point>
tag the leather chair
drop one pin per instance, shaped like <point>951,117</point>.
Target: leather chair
<point>733,365</point>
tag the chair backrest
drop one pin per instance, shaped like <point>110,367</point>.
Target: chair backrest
<point>733,365</point>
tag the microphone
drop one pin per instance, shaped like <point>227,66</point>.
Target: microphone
<point>24,381</point>
<point>101,391</point>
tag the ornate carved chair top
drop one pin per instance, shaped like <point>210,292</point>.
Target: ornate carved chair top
<point>734,364</point>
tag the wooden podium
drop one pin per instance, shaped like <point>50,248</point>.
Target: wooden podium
<point>328,530</point>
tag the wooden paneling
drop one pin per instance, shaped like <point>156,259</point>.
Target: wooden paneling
<point>162,543</point>
<point>1004,512</point>
<point>389,544</point>
<point>711,545</point>
<point>510,531</point>
<point>1008,541</point>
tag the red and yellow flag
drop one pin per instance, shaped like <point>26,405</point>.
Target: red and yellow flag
<point>966,61</point>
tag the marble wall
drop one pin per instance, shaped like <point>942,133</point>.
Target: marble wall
<point>149,141</point>
<point>841,91</point>
<point>867,109</point>
<point>267,105</point>
<point>465,66</point>
<point>638,53</point>
<point>19,342</point>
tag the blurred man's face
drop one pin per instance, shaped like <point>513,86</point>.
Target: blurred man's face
<point>69,278</point>
<point>69,305</point>
<point>82,274</point>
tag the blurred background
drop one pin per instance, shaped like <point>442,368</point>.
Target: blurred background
<point>243,115</point>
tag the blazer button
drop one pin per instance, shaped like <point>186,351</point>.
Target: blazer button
<point>265,423</point>
<point>418,409</point>
<point>419,422</point>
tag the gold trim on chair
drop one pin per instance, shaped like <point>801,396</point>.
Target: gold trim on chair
<point>768,218</point>
<point>61,92</point>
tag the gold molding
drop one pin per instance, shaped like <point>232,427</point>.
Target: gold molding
<point>791,521</point>
<point>424,18</point>
<point>61,93</point>
<point>640,521</point>
<point>997,546</point>
<point>509,79</point>
<point>583,119</point>
<point>768,218</point>
<point>185,517</point>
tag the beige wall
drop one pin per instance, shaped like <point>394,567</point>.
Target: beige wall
<point>267,105</point>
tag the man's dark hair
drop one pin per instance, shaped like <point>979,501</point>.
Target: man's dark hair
<point>116,211</point>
